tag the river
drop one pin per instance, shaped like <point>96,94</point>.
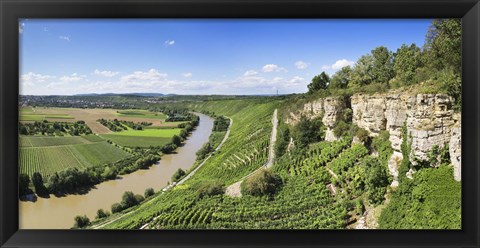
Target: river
<point>59,212</point>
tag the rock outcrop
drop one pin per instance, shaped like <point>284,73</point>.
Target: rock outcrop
<point>330,108</point>
<point>429,119</point>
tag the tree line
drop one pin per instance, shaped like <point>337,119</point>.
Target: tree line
<point>437,65</point>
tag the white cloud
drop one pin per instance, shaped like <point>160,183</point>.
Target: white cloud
<point>146,78</point>
<point>250,73</point>
<point>33,78</point>
<point>72,78</point>
<point>105,73</point>
<point>169,43</point>
<point>273,68</point>
<point>62,37</point>
<point>301,65</point>
<point>342,63</point>
<point>339,64</point>
<point>187,74</point>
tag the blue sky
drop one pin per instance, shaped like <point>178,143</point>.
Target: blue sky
<point>235,56</point>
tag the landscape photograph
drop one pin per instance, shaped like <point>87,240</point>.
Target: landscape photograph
<point>243,124</point>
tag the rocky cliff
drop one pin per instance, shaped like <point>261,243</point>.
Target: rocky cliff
<point>429,119</point>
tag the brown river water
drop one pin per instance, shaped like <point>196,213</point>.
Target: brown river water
<point>59,212</point>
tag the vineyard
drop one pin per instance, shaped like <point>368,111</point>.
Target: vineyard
<point>49,159</point>
<point>40,141</point>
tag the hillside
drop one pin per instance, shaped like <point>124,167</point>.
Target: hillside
<point>335,181</point>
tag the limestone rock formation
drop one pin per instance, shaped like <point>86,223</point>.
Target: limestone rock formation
<point>429,119</point>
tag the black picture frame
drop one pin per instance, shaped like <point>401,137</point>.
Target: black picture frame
<point>12,10</point>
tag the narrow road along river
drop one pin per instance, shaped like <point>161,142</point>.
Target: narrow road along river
<point>58,213</point>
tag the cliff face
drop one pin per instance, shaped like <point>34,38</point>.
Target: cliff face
<point>429,118</point>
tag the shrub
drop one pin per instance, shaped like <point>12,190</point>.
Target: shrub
<point>102,214</point>
<point>178,174</point>
<point>210,189</point>
<point>263,182</point>
<point>139,198</point>
<point>116,207</point>
<point>81,221</point>
<point>149,192</point>
<point>128,200</point>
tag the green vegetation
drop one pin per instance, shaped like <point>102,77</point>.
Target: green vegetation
<point>50,159</point>
<point>432,69</point>
<point>54,128</point>
<point>43,141</point>
<point>432,200</point>
<point>149,192</point>
<point>141,114</point>
<point>31,116</point>
<point>136,141</point>
<point>81,221</point>
<point>178,175</point>
<point>221,124</point>
<point>263,182</point>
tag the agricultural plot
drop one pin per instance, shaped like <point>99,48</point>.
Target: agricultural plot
<point>50,159</point>
<point>134,141</point>
<point>142,138</point>
<point>41,141</point>
<point>90,116</point>
<point>42,117</point>
<point>141,114</point>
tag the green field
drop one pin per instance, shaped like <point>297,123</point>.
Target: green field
<point>41,141</point>
<point>30,116</point>
<point>134,141</point>
<point>141,114</point>
<point>142,138</point>
<point>50,159</point>
<point>160,133</point>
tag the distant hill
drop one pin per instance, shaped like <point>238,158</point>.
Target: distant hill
<point>126,94</point>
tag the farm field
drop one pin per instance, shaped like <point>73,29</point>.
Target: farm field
<point>48,155</point>
<point>134,141</point>
<point>138,113</point>
<point>90,116</point>
<point>40,141</point>
<point>142,138</point>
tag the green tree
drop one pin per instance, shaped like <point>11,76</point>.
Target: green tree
<point>382,70</point>
<point>443,45</point>
<point>308,131</point>
<point>102,214</point>
<point>23,184</point>
<point>341,78</point>
<point>81,221</point>
<point>116,207</point>
<point>149,192</point>
<point>362,73</point>
<point>319,82</point>
<point>37,181</point>
<point>407,61</point>
<point>178,174</point>
<point>176,140</point>
<point>128,200</point>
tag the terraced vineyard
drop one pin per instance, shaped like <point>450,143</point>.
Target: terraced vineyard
<point>48,155</point>
<point>245,150</point>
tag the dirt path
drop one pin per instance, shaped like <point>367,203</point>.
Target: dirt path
<point>234,189</point>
